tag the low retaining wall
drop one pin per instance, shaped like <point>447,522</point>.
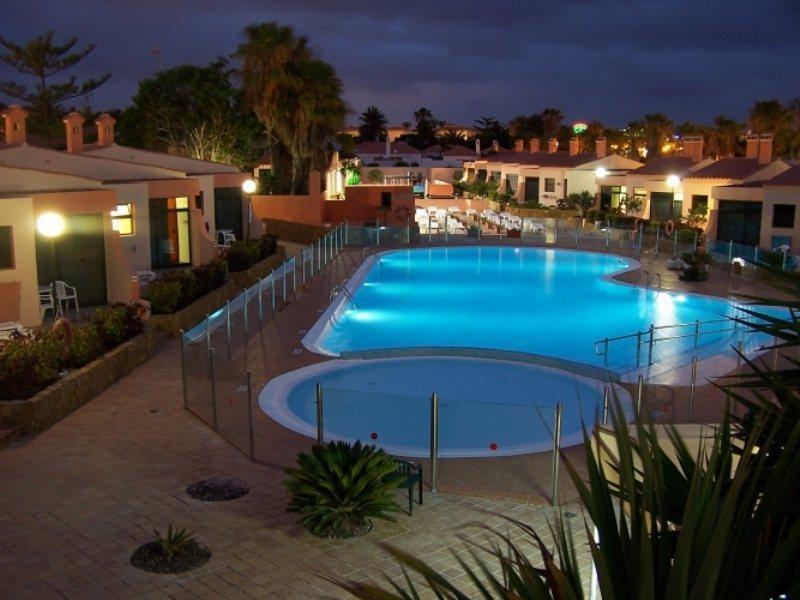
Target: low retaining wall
<point>289,231</point>
<point>53,403</point>
<point>191,315</point>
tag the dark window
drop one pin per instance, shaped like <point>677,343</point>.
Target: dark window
<point>386,199</point>
<point>783,215</point>
<point>199,203</point>
<point>6,248</point>
<point>549,184</point>
<point>699,201</point>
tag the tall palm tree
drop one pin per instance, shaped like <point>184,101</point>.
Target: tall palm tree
<point>656,129</point>
<point>724,136</point>
<point>771,116</point>
<point>373,124</point>
<point>525,127</point>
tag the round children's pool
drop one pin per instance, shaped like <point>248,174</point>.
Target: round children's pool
<point>487,407</point>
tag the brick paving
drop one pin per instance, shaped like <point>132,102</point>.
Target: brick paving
<point>79,498</point>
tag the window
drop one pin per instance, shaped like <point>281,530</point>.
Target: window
<point>199,202</point>
<point>783,215</point>
<point>6,248</point>
<point>549,184</point>
<point>699,202</point>
<point>386,199</point>
<point>122,219</point>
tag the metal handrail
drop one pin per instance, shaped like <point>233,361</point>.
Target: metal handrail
<point>342,289</point>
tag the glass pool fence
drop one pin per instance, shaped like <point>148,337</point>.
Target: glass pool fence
<point>637,241</point>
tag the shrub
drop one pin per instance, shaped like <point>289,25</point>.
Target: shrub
<point>340,486</point>
<point>84,345</point>
<point>238,256</point>
<point>188,285</point>
<point>163,296</point>
<point>118,323</point>
<point>28,363</point>
<point>774,259</point>
<point>696,268</point>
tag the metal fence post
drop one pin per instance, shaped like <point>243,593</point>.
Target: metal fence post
<point>208,332</point>
<point>212,377</point>
<point>638,347</point>
<point>650,346</point>
<point>260,302</point>
<point>250,427</point>
<point>434,440</point>
<point>346,232</point>
<point>658,238</point>
<point>608,234</point>
<point>244,314</point>
<point>606,404</point>
<point>641,235</point>
<point>691,387</point>
<point>639,394</point>
<point>576,233</point>
<point>183,368</point>
<point>377,232</point>
<point>675,244</point>
<point>556,450</point>
<point>283,282</point>
<point>446,234</point>
<point>294,276</point>
<point>311,262</point>
<point>730,251</point>
<point>319,254</point>
<point>272,288</point>
<point>228,323</point>
<point>320,415</point>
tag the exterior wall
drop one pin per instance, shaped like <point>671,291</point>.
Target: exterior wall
<point>297,209</point>
<point>580,180</point>
<point>136,248</point>
<point>19,293</point>
<point>362,204</point>
<point>203,244</point>
<point>780,194</point>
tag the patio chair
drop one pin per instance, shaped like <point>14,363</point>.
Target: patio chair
<point>65,293</point>
<point>413,475</point>
<point>9,328</point>
<point>46,299</point>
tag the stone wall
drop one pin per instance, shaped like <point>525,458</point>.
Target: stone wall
<point>52,404</point>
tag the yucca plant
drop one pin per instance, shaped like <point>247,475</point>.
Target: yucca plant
<point>175,541</point>
<point>339,487</point>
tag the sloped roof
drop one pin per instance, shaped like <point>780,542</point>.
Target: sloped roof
<point>544,159</point>
<point>455,150</point>
<point>788,177</point>
<point>190,166</point>
<point>666,165</point>
<point>728,168</point>
<point>379,148</point>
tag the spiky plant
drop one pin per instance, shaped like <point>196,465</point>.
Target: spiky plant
<point>339,487</point>
<point>175,541</point>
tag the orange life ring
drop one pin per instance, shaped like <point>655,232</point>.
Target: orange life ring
<point>669,227</point>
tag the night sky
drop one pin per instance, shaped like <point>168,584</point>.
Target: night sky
<point>607,60</point>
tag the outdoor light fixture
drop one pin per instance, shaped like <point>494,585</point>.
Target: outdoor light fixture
<point>249,186</point>
<point>601,172</point>
<point>50,224</point>
<point>673,181</point>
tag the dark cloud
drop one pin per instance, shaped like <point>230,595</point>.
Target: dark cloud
<point>608,60</point>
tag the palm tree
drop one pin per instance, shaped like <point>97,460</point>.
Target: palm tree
<point>525,127</point>
<point>771,116</point>
<point>724,137</point>
<point>656,129</point>
<point>373,125</point>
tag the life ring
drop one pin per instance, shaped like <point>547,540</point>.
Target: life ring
<point>669,227</point>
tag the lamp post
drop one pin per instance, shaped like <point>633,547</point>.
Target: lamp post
<point>249,188</point>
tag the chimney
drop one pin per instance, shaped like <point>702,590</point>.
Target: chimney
<point>693,148</point>
<point>478,147</point>
<point>765,149</point>
<point>535,145</point>
<point>105,130</point>
<point>496,146</point>
<point>387,150</point>
<point>552,145</point>
<point>751,145</point>
<point>600,147</point>
<point>74,122</point>
<point>519,145</point>
<point>574,146</point>
<point>14,117</point>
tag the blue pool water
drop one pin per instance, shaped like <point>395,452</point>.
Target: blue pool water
<point>533,300</point>
<point>486,407</point>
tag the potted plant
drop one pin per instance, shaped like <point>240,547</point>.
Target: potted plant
<point>339,487</point>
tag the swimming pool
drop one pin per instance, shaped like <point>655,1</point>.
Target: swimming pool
<point>486,407</point>
<point>535,300</point>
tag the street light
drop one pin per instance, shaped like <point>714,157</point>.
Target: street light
<point>249,187</point>
<point>673,181</point>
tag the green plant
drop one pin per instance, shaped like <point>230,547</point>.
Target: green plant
<point>339,486</point>
<point>175,541</point>
<point>83,346</point>
<point>696,268</point>
<point>698,216</point>
<point>118,322</point>
<point>29,363</point>
<point>188,285</point>
<point>775,259</point>
<point>210,276</point>
<point>238,256</point>
<point>580,201</point>
<point>163,296</point>
<point>375,176</point>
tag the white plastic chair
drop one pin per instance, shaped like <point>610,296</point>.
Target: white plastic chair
<point>46,301</point>
<point>65,293</point>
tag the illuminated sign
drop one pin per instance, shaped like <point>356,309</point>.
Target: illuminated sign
<point>579,128</point>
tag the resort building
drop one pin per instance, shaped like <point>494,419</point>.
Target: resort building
<point>115,218</point>
<point>387,154</point>
<point>780,214</point>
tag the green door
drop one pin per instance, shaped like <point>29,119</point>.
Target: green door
<point>664,207</point>
<point>531,189</point>
<point>739,222</point>
<point>228,210</point>
<point>76,257</point>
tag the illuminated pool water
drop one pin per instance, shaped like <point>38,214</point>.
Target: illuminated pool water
<point>486,407</point>
<point>541,301</point>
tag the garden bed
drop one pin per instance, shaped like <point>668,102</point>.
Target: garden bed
<point>56,401</point>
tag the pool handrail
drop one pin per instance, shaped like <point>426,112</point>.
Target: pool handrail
<point>337,289</point>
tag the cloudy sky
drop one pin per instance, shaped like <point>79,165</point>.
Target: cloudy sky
<point>607,60</point>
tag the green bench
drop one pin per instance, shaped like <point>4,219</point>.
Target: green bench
<point>411,474</point>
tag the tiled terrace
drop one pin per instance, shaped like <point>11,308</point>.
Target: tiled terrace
<point>80,497</point>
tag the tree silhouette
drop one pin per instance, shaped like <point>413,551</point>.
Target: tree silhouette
<point>42,58</point>
<point>373,125</point>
